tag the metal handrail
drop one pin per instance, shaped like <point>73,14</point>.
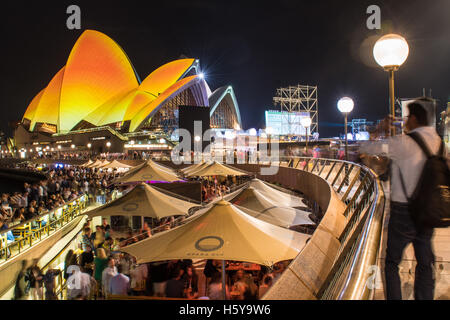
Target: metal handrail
<point>361,238</point>
<point>32,235</point>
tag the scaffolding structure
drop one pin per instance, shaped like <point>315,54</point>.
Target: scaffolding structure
<point>296,99</point>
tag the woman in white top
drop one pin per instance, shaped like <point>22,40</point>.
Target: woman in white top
<point>214,291</point>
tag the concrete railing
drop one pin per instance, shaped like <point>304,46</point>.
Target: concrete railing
<point>36,239</point>
<point>336,262</point>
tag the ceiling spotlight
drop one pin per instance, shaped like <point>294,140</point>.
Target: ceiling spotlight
<point>201,75</point>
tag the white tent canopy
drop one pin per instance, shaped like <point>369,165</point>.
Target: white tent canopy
<point>216,169</point>
<point>256,204</point>
<point>103,164</point>
<point>276,196</point>
<point>86,164</point>
<point>116,164</point>
<point>95,164</point>
<point>194,167</point>
<point>162,167</point>
<point>144,200</point>
<point>148,171</point>
<point>224,232</point>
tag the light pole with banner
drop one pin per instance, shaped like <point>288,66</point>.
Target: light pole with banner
<point>345,106</point>
<point>306,123</point>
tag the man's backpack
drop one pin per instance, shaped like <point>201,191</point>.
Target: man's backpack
<point>430,202</point>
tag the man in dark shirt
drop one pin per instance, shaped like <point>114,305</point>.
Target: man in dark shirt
<point>87,260</point>
<point>49,282</point>
<point>175,286</point>
<point>30,213</point>
<point>158,272</point>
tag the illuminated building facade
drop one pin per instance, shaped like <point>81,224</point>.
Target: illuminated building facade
<point>98,93</point>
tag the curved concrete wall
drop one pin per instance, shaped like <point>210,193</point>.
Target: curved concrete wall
<point>10,269</point>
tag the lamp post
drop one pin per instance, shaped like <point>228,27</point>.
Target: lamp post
<point>390,52</point>
<point>345,105</point>
<point>306,123</point>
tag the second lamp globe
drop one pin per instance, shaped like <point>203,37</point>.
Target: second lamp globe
<point>345,105</point>
<point>391,51</point>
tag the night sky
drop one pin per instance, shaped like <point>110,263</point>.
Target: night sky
<point>256,46</point>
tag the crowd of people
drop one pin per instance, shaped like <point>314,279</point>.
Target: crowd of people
<point>211,190</point>
<point>62,186</point>
<point>99,266</point>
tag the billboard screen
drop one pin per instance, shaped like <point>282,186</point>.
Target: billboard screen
<point>286,123</point>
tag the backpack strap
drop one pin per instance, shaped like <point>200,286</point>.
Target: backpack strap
<point>441,151</point>
<point>403,185</point>
<point>418,139</point>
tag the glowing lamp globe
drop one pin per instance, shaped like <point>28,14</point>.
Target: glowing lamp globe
<point>252,132</point>
<point>345,105</point>
<point>305,122</point>
<point>391,51</point>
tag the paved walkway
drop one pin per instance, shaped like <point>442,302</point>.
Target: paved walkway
<point>441,246</point>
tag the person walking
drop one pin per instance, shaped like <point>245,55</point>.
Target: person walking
<point>120,283</point>
<point>407,163</point>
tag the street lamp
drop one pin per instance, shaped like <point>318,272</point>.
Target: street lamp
<point>108,144</point>
<point>72,146</point>
<point>345,105</point>
<point>306,123</point>
<point>89,145</point>
<point>390,52</point>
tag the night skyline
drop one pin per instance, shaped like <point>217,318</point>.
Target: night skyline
<point>255,47</point>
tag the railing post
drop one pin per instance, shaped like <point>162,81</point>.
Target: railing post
<point>349,171</point>
<point>315,165</point>
<point>323,167</point>
<point>331,170</point>
<point>350,187</point>
<point>338,174</point>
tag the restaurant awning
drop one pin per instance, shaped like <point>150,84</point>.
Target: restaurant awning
<point>103,164</point>
<point>194,167</point>
<point>148,171</point>
<point>144,200</point>
<point>277,196</point>
<point>224,232</point>
<point>217,169</point>
<point>86,164</point>
<point>256,204</point>
<point>116,164</point>
<point>95,164</point>
<point>162,167</point>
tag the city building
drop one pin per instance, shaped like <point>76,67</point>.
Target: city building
<point>97,102</point>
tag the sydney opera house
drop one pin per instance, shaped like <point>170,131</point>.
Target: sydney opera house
<point>97,100</point>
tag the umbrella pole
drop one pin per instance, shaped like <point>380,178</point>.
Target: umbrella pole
<point>224,291</point>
